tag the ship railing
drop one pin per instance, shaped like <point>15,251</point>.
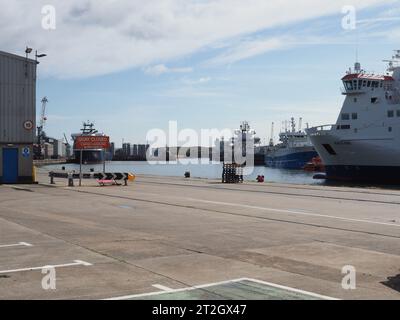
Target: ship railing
<point>320,129</point>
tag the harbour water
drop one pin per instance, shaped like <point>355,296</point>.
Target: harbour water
<point>206,171</point>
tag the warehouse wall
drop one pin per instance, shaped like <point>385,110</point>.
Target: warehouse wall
<point>18,112</point>
<point>17,98</point>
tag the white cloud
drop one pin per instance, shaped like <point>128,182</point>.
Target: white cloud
<point>100,37</point>
<point>202,80</point>
<point>161,69</point>
<point>249,48</point>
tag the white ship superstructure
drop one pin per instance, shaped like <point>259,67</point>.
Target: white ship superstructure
<point>364,144</point>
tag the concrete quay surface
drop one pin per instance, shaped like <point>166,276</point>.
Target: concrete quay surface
<point>163,234</point>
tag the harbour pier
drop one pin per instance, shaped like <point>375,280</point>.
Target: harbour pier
<point>177,238</point>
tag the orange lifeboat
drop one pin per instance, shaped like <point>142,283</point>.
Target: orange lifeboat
<point>315,165</point>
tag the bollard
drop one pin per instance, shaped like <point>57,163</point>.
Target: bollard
<point>70,180</point>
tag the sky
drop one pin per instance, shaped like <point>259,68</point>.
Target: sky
<point>131,66</point>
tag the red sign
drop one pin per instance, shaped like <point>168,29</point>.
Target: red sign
<point>92,142</point>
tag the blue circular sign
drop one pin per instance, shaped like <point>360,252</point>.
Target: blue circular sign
<point>26,152</point>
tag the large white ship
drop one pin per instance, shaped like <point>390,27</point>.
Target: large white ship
<point>364,144</point>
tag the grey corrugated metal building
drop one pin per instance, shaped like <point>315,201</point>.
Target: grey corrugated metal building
<point>17,118</point>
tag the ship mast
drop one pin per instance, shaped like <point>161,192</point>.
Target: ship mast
<point>293,125</point>
<point>271,140</point>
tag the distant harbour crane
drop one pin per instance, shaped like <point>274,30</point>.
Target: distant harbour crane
<point>67,146</point>
<point>41,135</point>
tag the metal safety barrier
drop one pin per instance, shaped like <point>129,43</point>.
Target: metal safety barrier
<point>92,175</point>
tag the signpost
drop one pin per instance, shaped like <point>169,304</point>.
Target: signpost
<point>91,142</point>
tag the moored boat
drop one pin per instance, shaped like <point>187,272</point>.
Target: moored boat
<point>364,143</point>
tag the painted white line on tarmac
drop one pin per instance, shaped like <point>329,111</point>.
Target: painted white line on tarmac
<point>312,294</point>
<point>161,287</point>
<point>289,211</point>
<point>308,293</point>
<point>294,212</point>
<point>20,244</point>
<point>75,263</point>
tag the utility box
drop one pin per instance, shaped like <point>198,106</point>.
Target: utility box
<point>17,118</point>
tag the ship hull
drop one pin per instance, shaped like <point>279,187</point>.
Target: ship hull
<point>292,160</point>
<point>369,174</point>
<point>373,160</point>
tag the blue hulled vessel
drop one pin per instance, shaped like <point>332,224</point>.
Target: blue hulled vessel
<point>294,151</point>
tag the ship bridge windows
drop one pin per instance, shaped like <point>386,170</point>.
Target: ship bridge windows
<point>398,113</point>
<point>354,116</point>
<point>374,100</point>
<point>348,85</point>
<point>345,116</point>
<point>353,85</point>
<point>390,114</point>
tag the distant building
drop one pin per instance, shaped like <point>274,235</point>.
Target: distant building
<point>135,151</point>
<point>126,149</point>
<point>142,150</point>
<point>48,150</point>
<point>55,149</point>
<point>112,149</point>
<point>60,149</point>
